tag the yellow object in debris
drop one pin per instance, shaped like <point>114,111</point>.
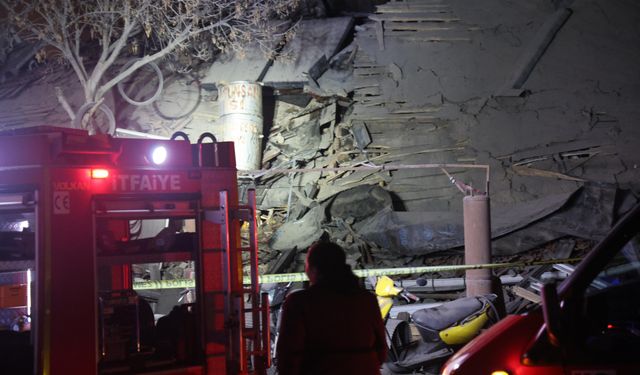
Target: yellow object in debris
<point>386,288</point>
<point>385,304</point>
<point>463,333</point>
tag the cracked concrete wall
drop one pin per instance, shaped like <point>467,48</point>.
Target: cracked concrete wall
<point>575,120</point>
<point>582,93</point>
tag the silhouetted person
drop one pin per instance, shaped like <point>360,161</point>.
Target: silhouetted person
<point>333,327</point>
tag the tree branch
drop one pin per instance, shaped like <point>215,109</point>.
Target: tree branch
<point>147,59</point>
<point>63,102</point>
<point>68,52</point>
<point>185,28</point>
<point>110,51</point>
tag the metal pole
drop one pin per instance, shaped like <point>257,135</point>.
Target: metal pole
<point>477,243</point>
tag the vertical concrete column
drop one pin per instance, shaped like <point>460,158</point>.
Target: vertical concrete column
<point>242,122</point>
<point>477,243</point>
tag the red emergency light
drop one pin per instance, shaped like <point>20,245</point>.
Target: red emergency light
<point>99,173</point>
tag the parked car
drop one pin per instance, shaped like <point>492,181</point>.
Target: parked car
<point>588,325</point>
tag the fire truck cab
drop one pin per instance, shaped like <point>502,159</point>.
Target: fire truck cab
<point>84,218</point>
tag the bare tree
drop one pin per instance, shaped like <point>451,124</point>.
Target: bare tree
<point>91,35</point>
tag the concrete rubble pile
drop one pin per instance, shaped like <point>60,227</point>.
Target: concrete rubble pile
<point>523,89</point>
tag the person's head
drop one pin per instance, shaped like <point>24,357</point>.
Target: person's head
<point>326,261</point>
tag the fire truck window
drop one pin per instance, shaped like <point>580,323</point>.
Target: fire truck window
<point>17,238</point>
<point>155,317</point>
<point>145,236</point>
<point>17,282</point>
<point>612,307</point>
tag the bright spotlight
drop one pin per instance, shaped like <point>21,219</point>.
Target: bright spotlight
<point>159,155</point>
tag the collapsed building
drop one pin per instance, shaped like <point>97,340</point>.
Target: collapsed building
<point>379,116</point>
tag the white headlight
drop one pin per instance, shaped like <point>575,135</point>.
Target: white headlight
<point>159,155</point>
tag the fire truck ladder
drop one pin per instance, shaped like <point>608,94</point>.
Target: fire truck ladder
<point>252,356</point>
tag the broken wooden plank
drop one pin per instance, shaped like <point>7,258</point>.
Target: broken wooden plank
<point>373,102</point>
<point>387,122</point>
<point>554,148</point>
<point>390,156</point>
<point>367,91</point>
<point>428,38</point>
<point>323,115</point>
<point>434,39</point>
<point>380,35</point>
<point>365,82</point>
<point>359,98</point>
<point>399,112</point>
<point>406,7</point>
<point>582,162</point>
<point>419,26</point>
<point>365,100</point>
<point>393,139</point>
<point>412,17</point>
<point>429,33</point>
<point>535,49</point>
<point>390,103</point>
<point>364,65</point>
<point>526,294</point>
<point>363,59</point>
<point>522,170</point>
<point>424,11</point>
<point>376,127</point>
<point>270,153</point>
<point>404,26</point>
<point>369,71</point>
<point>397,116</point>
<point>416,110</point>
<point>362,100</point>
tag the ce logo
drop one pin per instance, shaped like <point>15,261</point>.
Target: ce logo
<point>61,202</point>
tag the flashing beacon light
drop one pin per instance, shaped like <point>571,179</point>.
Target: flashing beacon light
<point>99,173</point>
<point>159,155</point>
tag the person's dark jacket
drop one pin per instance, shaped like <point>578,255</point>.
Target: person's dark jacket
<point>328,331</point>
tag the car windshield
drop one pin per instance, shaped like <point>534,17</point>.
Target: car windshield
<point>622,269</point>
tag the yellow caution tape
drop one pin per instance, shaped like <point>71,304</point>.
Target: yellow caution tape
<point>301,276</point>
<point>165,284</point>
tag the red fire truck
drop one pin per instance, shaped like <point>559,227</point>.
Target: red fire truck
<point>83,217</point>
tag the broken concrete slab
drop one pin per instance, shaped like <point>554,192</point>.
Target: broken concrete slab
<point>420,233</point>
<point>336,81</point>
<point>314,39</point>
<point>588,215</point>
<point>360,202</point>
<point>413,233</point>
<point>301,233</point>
